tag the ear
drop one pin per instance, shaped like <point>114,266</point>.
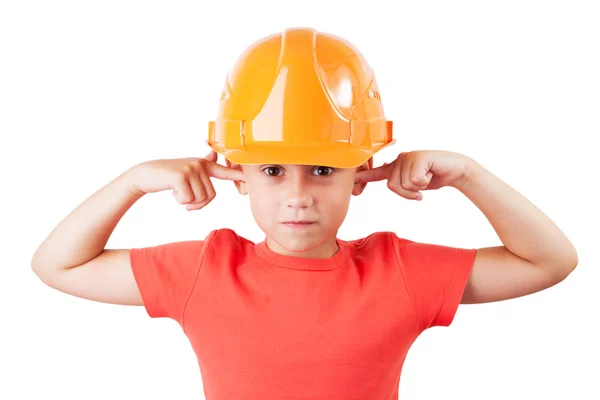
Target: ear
<point>241,186</point>
<point>359,187</point>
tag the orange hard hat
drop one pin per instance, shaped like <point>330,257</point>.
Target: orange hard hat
<point>300,97</point>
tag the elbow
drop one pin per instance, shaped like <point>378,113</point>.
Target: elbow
<point>36,262</point>
<point>568,267</point>
<point>573,259</point>
<point>37,266</point>
<point>572,262</point>
<point>566,264</point>
<point>572,266</point>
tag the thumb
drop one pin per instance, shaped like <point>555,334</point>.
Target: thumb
<point>212,156</point>
<point>374,174</point>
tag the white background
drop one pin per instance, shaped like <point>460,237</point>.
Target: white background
<point>88,89</point>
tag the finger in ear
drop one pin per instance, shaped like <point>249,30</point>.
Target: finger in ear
<point>212,156</point>
<point>241,187</point>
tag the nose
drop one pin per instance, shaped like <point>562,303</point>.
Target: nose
<point>297,191</point>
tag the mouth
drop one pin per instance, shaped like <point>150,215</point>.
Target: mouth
<point>298,223</point>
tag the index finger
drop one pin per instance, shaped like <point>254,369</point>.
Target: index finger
<point>373,174</point>
<point>222,172</point>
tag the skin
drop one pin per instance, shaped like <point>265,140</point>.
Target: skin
<point>283,193</point>
<point>535,254</point>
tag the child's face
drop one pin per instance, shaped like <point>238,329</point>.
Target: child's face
<point>300,207</point>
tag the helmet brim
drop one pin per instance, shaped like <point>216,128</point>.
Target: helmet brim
<point>338,155</point>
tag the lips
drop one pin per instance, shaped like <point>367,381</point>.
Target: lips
<point>298,222</point>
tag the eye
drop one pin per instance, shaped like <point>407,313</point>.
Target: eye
<point>323,171</point>
<point>272,171</point>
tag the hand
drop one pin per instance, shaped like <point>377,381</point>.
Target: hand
<point>419,170</point>
<point>189,178</point>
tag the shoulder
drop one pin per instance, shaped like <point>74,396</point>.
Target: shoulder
<point>227,236</point>
<point>227,241</point>
<point>379,239</point>
<point>384,245</point>
<point>389,246</point>
<point>221,239</point>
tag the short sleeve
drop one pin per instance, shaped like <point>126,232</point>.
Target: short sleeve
<point>166,274</point>
<point>435,277</point>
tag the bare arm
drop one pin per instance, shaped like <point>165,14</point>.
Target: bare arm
<point>79,241</point>
<point>73,258</point>
<point>83,234</point>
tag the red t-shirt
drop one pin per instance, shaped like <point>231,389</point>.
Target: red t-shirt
<point>266,326</point>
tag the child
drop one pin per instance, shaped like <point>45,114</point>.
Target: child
<point>303,314</point>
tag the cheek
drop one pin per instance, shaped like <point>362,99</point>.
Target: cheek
<point>263,202</point>
<point>335,202</point>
